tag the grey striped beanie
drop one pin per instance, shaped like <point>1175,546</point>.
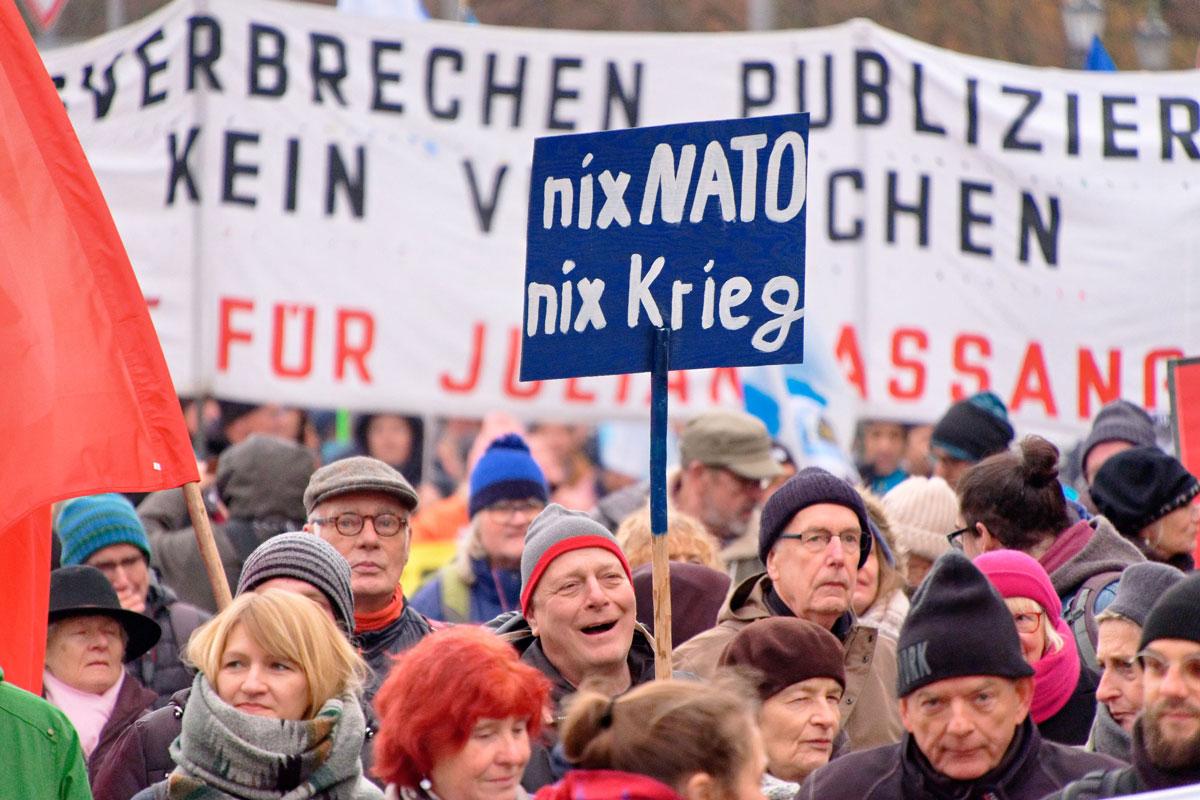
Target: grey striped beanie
<point>305,557</point>
<point>556,531</point>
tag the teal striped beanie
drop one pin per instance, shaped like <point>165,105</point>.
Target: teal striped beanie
<point>87,524</point>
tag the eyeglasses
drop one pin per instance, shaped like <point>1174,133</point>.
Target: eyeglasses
<point>126,564</point>
<point>349,523</point>
<point>955,537</point>
<point>816,540</point>
<point>507,511</point>
<point>1027,622</point>
<point>1156,667</point>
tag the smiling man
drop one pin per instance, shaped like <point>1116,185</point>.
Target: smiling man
<point>1166,737</point>
<point>577,620</point>
<point>965,691</point>
<point>362,507</point>
<point>813,539</point>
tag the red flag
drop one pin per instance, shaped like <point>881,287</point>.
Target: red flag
<point>87,403</point>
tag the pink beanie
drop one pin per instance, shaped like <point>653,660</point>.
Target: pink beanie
<point>1014,574</point>
<point>1056,673</point>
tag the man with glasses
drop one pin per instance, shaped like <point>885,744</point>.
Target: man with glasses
<point>362,507</point>
<point>813,539</point>
<point>507,490</point>
<point>1166,736</point>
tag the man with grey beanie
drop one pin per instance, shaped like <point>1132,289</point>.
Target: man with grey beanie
<point>294,562</point>
<point>577,621</point>
<point>813,538</point>
<point>362,507</point>
<point>1120,627</point>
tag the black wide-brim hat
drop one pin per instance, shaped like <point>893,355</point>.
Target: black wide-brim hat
<point>80,591</point>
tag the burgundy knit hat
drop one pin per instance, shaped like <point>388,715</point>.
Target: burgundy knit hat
<point>786,650</point>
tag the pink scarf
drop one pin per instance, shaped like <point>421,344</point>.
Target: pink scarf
<point>1056,674</point>
<point>88,712</point>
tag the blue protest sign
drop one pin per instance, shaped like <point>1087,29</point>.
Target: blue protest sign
<point>696,227</point>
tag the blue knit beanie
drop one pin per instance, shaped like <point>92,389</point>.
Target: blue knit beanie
<point>87,524</point>
<point>506,471</point>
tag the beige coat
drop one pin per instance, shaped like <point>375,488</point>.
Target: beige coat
<point>870,712</point>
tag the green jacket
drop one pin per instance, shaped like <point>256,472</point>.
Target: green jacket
<point>39,749</point>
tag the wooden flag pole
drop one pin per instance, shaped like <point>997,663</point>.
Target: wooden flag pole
<point>660,564</point>
<point>207,545</point>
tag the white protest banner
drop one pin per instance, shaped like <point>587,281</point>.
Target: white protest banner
<point>330,210</point>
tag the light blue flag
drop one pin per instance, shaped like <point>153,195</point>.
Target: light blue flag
<point>1098,59</point>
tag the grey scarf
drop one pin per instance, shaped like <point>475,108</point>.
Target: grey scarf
<point>1108,737</point>
<point>224,753</point>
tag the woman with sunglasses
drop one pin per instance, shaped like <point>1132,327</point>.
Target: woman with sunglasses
<point>1064,694</point>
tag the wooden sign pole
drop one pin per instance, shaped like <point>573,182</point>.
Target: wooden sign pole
<point>660,564</point>
<point>207,545</point>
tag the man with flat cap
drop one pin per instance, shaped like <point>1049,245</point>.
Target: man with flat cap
<point>363,508</point>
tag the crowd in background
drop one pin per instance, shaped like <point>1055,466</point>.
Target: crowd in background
<point>463,610</point>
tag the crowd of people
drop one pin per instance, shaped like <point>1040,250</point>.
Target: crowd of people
<point>469,616</point>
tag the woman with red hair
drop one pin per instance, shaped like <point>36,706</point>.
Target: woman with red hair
<point>456,715</point>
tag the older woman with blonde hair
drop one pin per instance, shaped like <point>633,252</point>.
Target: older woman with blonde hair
<point>687,540</point>
<point>273,712</point>
<point>1064,693</point>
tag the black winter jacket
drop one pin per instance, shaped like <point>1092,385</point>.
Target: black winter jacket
<point>378,647</point>
<point>1031,769</point>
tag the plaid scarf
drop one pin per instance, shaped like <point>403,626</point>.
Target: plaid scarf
<point>224,753</point>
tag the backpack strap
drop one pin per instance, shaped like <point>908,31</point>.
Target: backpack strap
<point>1080,617</point>
<point>456,595</point>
